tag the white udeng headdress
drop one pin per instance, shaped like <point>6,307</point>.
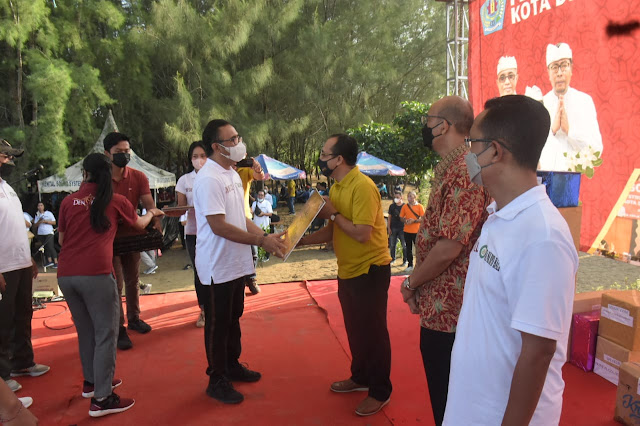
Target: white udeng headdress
<point>506,63</point>
<point>557,52</point>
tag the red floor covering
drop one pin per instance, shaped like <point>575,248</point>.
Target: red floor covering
<point>286,337</point>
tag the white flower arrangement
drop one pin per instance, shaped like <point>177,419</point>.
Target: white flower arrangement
<point>584,161</point>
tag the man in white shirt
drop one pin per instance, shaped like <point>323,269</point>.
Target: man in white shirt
<point>574,122</point>
<point>507,75</point>
<point>17,271</point>
<point>511,340</point>
<point>263,218</point>
<point>223,257</point>
<point>44,222</point>
<point>268,197</point>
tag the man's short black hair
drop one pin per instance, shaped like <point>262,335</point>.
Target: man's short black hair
<point>112,139</point>
<point>210,134</point>
<point>346,146</point>
<point>519,122</point>
<point>323,184</point>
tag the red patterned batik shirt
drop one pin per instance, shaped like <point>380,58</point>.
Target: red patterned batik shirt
<point>456,211</point>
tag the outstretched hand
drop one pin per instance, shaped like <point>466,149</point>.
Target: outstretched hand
<point>275,244</point>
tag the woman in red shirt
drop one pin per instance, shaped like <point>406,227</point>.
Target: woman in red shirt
<point>88,221</point>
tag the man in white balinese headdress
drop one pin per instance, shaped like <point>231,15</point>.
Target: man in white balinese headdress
<point>574,123</point>
<point>507,75</point>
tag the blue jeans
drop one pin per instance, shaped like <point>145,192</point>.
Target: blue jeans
<point>393,240</point>
<point>291,202</point>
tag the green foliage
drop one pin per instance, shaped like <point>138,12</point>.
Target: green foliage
<point>286,73</point>
<point>400,143</point>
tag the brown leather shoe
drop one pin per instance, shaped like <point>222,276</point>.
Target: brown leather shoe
<point>370,406</point>
<point>348,385</point>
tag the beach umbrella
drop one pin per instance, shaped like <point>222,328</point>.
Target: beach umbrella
<point>277,170</point>
<point>374,166</point>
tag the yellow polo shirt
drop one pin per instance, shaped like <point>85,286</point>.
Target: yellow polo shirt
<point>357,198</point>
<point>246,175</point>
<point>292,188</point>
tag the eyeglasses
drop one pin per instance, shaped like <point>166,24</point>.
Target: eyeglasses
<point>325,155</point>
<point>425,118</point>
<point>511,76</point>
<point>562,66</point>
<point>468,141</point>
<point>235,139</point>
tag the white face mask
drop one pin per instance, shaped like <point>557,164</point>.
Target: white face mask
<point>260,200</point>
<point>236,153</point>
<point>198,163</point>
<point>474,168</point>
<point>397,200</point>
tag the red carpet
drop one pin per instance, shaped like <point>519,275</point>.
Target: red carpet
<point>286,337</point>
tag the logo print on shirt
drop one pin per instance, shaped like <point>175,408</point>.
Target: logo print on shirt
<point>86,201</point>
<point>490,258</point>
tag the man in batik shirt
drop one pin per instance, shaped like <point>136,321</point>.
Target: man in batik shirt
<point>452,223</point>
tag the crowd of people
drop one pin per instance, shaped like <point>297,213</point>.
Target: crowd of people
<point>487,227</point>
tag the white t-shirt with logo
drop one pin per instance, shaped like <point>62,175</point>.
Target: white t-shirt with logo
<point>217,190</point>
<point>185,186</point>
<point>262,221</point>
<point>14,244</point>
<point>521,278</point>
<point>45,228</point>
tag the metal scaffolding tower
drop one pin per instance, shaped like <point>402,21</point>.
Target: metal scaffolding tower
<point>457,47</point>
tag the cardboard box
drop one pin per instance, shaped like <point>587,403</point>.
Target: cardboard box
<point>589,301</point>
<point>583,341</point>
<point>628,396</point>
<point>609,357</point>
<point>46,284</point>
<point>619,318</point>
<point>573,216</point>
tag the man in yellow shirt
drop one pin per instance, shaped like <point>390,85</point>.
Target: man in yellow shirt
<point>291,186</point>
<point>359,236</point>
<point>248,175</point>
<point>411,215</point>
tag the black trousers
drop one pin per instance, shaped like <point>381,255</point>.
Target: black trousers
<point>435,347</point>
<point>16,312</point>
<point>49,246</point>
<point>364,307</point>
<point>222,312</point>
<point>410,240</point>
<point>202,291</point>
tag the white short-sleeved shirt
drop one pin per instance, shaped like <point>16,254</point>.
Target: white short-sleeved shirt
<point>28,218</point>
<point>217,190</point>
<point>14,244</point>
<point>185,186</point>
<point>265,206</point>
<point>45,228</point>
<point>521,278</point>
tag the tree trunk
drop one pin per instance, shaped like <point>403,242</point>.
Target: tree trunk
<point>17,96</point>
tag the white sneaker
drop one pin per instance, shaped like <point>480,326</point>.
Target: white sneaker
<point>404,264</point>
<point>200,321</point>
<point>409,269</point>
<point>27,401</point>
<point>151,270</point>
<point>33,371</point>
<point>13,385</point>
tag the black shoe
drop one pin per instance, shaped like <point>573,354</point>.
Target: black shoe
<point>139,326</point>
<point>240,373</point>
<point>223,391</point>
<point>124,342</point>
<point>253,286</point>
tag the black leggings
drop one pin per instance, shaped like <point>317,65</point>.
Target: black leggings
<point>410,240</point>
<point>49,248</point>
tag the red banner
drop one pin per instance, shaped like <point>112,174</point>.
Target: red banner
<point>590,84</point>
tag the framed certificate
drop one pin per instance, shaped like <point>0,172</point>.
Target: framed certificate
<point>302,221</point>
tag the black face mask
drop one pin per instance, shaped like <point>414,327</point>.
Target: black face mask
<point>6,170</point>
<point>121,159</point>
<point>324,167</point>
<point>427,135</point>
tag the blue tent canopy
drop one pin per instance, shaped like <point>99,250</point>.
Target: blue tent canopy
<point>373,166</point>
<point>274,169</point>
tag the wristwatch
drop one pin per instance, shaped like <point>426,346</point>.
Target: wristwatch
<point>333,216</point>
<point>406,284</point>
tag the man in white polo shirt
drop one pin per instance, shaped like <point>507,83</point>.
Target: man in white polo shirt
<point>223,257</point>
<point>17,271</point>
<point>511,340</point>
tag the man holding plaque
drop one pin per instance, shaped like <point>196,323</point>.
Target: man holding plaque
<point>359,236</point>
<point>223,257</point>
<point>134,186</point>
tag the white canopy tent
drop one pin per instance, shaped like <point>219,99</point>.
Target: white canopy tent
<point>71,179</point>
